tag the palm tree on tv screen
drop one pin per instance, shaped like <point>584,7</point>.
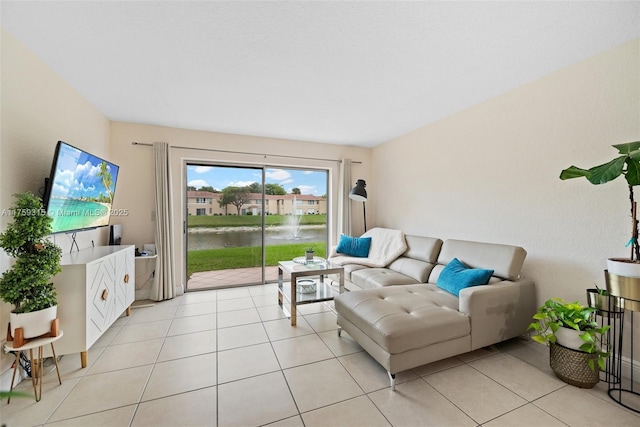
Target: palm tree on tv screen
<point>106,180</point>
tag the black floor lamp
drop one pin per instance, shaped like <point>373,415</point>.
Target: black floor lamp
<point>359,194</point>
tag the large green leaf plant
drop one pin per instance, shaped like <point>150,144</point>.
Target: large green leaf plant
<point>626,164</point>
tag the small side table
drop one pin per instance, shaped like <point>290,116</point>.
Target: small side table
<point>323,291</point>
<point>38,343</point>
<point>145,273</point>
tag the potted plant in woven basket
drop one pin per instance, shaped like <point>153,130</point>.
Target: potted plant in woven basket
<point>27,284</point>
<point>573,337</point>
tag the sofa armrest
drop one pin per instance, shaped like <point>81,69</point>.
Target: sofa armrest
<point>333,251</point>
<point>498,311</point>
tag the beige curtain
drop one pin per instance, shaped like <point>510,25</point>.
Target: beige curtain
<point>162,288</point>
<point>344,202</point>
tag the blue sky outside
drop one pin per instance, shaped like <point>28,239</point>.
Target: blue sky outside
<point>219,177</point>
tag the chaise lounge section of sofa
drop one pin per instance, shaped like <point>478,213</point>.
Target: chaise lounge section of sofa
<point>400,316</point>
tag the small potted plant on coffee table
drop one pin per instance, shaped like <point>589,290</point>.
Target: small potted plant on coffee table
<point>573,337</point>
<point>309,254</point>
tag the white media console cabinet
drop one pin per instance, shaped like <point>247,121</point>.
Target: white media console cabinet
<point>95,287</point>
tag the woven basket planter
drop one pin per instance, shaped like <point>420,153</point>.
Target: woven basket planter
<point>572,366</point>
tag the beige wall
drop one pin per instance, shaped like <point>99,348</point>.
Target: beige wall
<point>490,173</point>
<point>38,109</point>
<point>137,176</point>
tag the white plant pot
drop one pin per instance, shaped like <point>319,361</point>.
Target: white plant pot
<point>623,267</point>
<point>569,338</point>
<point>35,323</point>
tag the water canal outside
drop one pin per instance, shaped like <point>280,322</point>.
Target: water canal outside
<point>226,237</point>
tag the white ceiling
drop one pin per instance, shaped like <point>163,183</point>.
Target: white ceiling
<point>356,73</point>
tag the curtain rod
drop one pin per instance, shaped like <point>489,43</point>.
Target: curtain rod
<point>244,152</point>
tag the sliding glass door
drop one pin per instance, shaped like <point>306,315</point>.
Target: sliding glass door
<point>242,220</point>
<point>295,217</point>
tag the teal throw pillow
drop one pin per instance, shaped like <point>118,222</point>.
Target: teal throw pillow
<point>456,276</point>
<point>354,246</point>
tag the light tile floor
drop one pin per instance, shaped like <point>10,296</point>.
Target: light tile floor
<point>217,279</point>
<point>229,357</point>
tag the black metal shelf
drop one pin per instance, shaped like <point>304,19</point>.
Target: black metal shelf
<point>626,289</point>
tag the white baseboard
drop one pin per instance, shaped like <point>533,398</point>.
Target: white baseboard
<point>626,368</point>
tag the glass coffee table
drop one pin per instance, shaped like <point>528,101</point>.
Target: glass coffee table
<point>306,291</point>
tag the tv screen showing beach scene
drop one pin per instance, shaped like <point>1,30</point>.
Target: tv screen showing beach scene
<point>80,190</point>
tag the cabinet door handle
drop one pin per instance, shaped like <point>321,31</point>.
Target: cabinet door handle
<point>126,278</point>
<point>105,295</point>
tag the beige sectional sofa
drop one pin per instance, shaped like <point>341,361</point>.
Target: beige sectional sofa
<point>399,315</point>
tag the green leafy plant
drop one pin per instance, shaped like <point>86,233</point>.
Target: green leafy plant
<point>27,284</point>
<point>602,292</point>
<point>627,164</point>
<point>310,249</point>
<point>557,313</point>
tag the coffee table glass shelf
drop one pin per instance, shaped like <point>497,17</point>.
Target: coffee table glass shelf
<point>295,295</point>
<point>305,260</point>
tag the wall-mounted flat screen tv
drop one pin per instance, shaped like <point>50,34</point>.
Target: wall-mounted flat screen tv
<point>80,189</point>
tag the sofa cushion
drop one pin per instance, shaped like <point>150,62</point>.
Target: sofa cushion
<point>402,318</point>
<point>423,248</point>
<point>354,246</point>
<point>350,268</point>
<point>375,277</point>
<point>505,260</point>
<point>456,276</point>
<point>415,269</point>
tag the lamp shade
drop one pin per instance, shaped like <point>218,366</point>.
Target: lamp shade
<point>358,193</point>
